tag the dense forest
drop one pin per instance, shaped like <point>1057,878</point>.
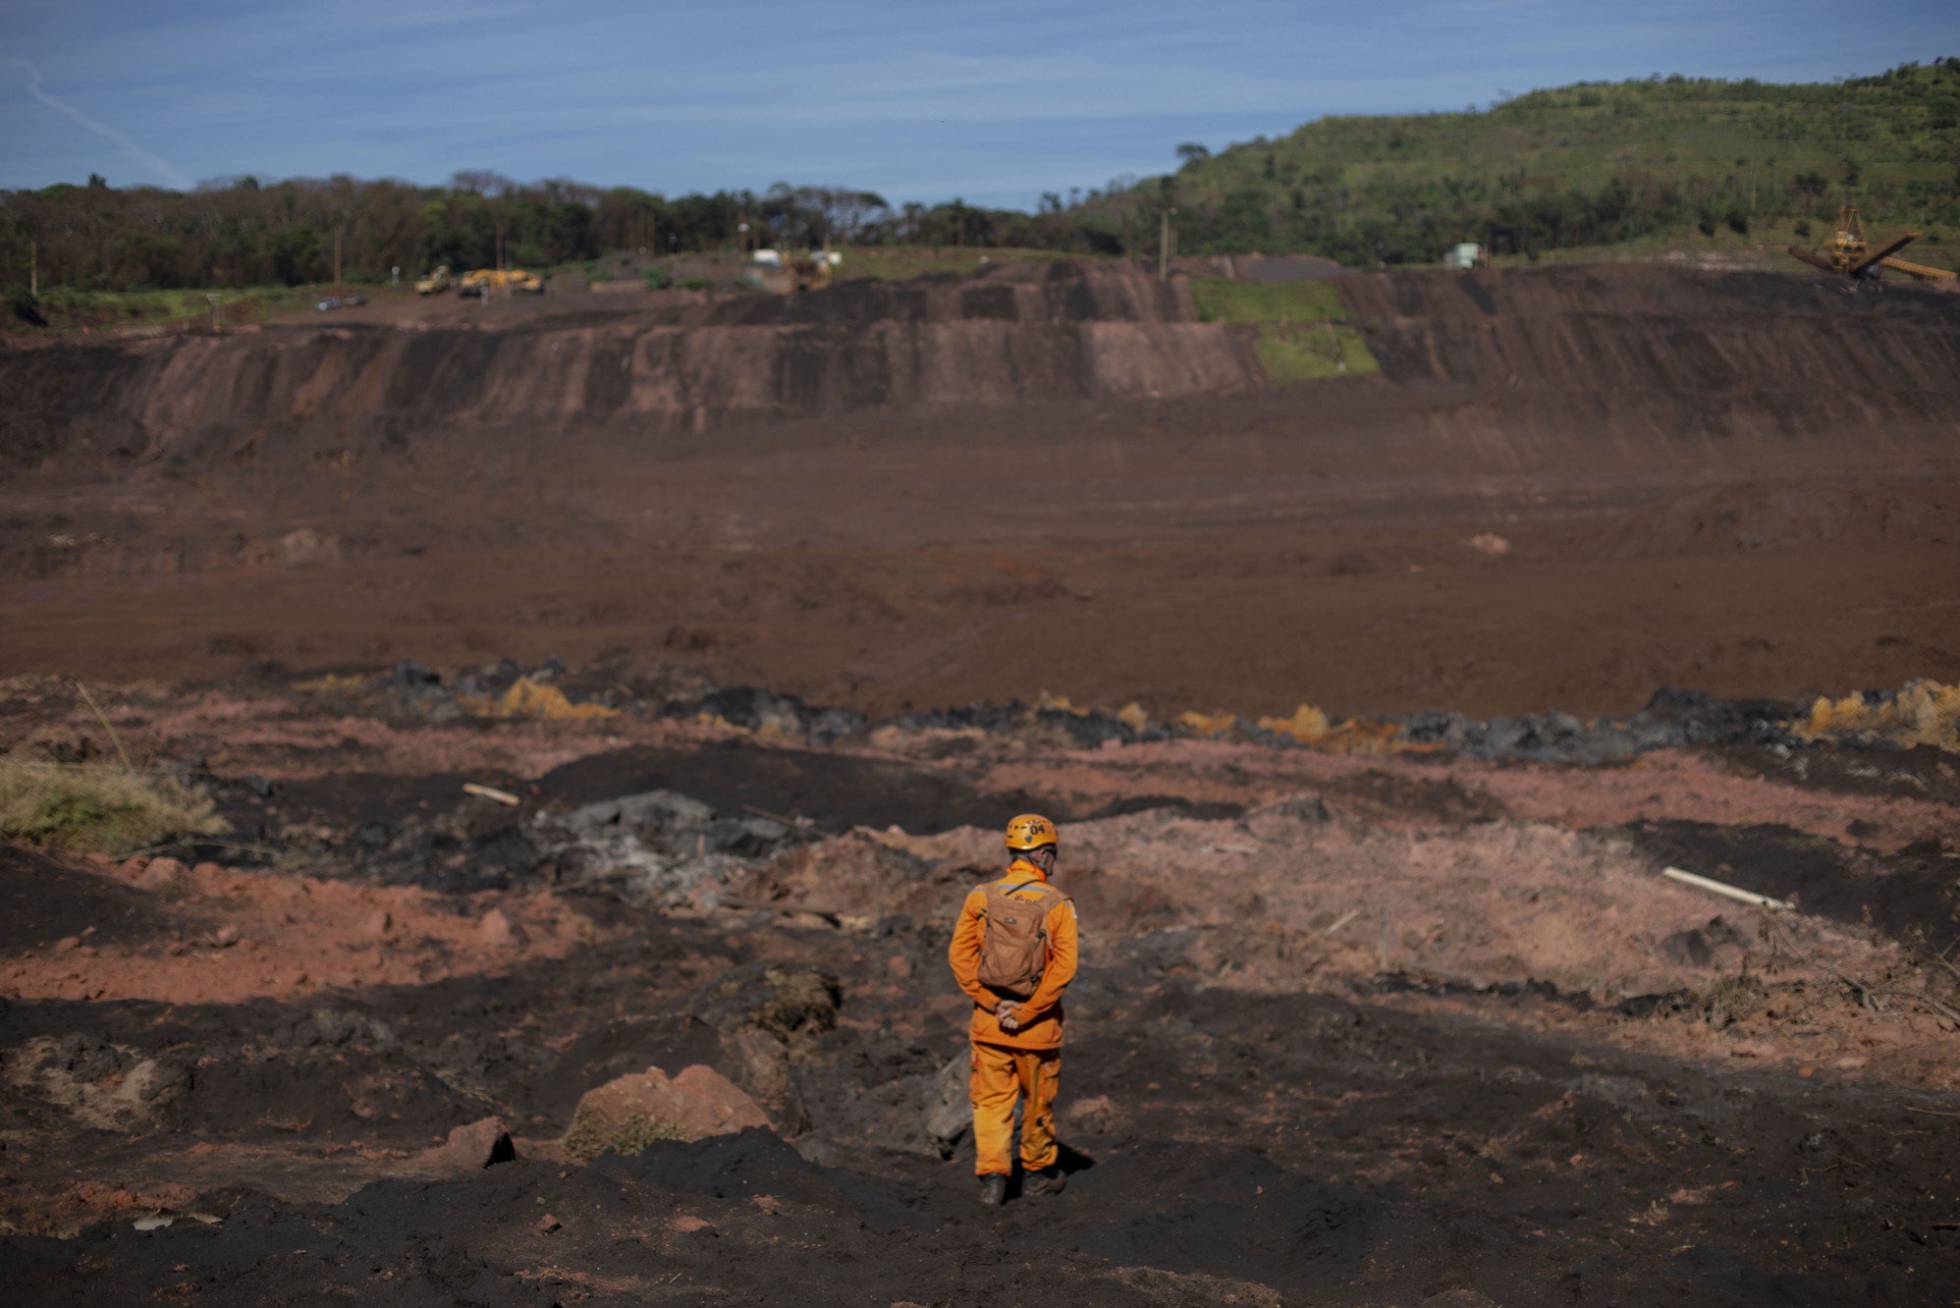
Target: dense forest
<point>1583,165</point>
<point>1591,164</point>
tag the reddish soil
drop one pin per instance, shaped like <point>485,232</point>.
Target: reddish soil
<point>1364,1029</point>
<point>1367,1031</point>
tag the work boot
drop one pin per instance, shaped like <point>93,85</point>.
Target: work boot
<point>993,1190</point>
<point>1049,1180</point>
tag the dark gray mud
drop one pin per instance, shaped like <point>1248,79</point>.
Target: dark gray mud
<point>1332,1149</point>
<point>1912,895</point>
<point>42,902</point>
<point>1400,1138</point>
<point>1334,1152</point>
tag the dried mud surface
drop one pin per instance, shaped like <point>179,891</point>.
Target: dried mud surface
<point>1366,1027</point>
<point>1352,1030</point>
<point>1564,489</point>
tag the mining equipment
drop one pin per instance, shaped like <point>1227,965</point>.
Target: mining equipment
<point>786,274</point>
<point>435,283</point>
<point>1851,255</point>
<point>500,279</point>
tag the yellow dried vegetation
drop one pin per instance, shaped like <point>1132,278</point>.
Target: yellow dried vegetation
<point>1313,728</point>
<point>1207,724</point>
<point>1047,703</point>
<point>1307,725</point>
<point>539,700</point>
<point>1924,712</point>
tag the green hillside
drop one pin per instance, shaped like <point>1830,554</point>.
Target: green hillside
<point>1586,165</point>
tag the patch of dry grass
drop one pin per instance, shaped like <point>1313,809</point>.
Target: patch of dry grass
<point>592,1135</point>
<point>1923,713</point>
<point>98,806</point>
<point>539,700</point>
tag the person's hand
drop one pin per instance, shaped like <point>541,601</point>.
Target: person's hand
<point>1004,1014</point>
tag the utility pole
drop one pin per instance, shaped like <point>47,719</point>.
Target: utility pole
<point>33,268</point>
<point>1164,244</point>
<point>336,256</point>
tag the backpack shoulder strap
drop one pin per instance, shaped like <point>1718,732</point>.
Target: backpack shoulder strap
<point>995,890</point>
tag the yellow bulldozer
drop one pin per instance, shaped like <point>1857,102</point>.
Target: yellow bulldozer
<point>1851,254</point>
<point>509,280</point>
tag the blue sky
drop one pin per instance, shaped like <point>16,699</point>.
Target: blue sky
<point>994,102</point>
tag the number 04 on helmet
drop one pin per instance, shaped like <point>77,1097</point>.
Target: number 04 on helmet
<point>1030,831</point>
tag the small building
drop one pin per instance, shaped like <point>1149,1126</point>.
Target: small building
<point>1464,255</point>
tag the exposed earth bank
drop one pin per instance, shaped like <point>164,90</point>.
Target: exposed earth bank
<point>1563,488</point>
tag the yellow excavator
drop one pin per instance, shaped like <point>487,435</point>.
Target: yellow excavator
<point>1851,254</point>
<point>435,283</point>
<point>499,279</point>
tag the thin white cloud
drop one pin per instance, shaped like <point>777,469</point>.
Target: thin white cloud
<point>168,172</point>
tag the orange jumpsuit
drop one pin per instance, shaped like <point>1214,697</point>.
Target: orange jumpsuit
<point>1027,1061</point>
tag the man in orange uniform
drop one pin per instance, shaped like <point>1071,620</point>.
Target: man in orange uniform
<point>1014,952</point>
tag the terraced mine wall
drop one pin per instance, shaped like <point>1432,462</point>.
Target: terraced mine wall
<point>1520,361</point>
<point>1018,336</point>
<point>1645,354</point>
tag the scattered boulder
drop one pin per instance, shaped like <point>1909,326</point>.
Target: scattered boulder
<point>472,1147</point>
<point>763,1069</point>
<point>949,1109</point>
<point>630,1112</point>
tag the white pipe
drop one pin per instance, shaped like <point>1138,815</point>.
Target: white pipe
<point>1720,888</point>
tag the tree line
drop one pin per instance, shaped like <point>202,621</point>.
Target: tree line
<point>1586,165</point>
<point>245,232</point>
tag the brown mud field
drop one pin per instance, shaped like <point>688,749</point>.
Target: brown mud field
<point>1400,1028</point>
<point>1563,488</point>
<point>1389,1004</point>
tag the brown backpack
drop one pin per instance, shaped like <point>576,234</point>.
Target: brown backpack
<point>1014,951</point>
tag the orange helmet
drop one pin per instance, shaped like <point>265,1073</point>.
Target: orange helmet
<point>1030,831</point>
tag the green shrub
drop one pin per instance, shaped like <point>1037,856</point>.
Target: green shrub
<point>1220,299</point>
<point>24,304</point>
<point>98,806</point>
<point>658,278</point>
<point>1312,353</point>
<point>694,283</point>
